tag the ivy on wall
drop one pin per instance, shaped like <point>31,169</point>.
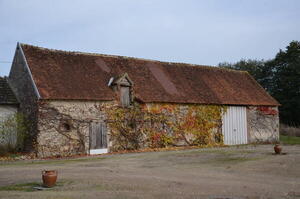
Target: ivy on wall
<point>163,125</point>
<point>133,128</point>
<point>156,125</point>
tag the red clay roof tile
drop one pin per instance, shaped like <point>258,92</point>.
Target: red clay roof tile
<point>84,76</point>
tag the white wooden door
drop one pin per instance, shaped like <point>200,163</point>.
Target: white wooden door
<point>234,128</point>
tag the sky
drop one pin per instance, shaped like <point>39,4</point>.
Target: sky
<point>191,31</point>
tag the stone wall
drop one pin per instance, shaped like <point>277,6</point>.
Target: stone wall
<point>22,85</point>
<point>158,125</point>
<point>63,126</point>
<point>263,124</point>
<point>192,119</point>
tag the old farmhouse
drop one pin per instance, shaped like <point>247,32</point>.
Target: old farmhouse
<point>94,103</point>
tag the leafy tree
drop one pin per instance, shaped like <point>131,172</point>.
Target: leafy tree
<point>286,82</point>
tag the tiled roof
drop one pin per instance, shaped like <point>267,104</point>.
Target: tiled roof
<point>85,76</point>
<point>6,94</point>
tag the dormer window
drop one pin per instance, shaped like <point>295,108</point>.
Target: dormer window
<point>122,85</point>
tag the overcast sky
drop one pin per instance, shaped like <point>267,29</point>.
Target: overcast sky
<point>193,31</point>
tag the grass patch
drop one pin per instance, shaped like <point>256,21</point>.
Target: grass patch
<point>235,159</point>
<point>222,151</point>
<point>215,157</point>
<point>289,139</point>
<point>119,187</point>
<point>28,187</point>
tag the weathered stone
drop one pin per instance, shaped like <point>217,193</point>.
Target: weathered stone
<point>63,126</point>
<point>22,85</point>
<point>54,140</point>
<point>263,124</point>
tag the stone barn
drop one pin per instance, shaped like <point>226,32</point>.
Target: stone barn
<point>94,103</point>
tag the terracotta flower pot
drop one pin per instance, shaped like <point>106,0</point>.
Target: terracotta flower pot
<point>277,149</point>
<point>49,178</point>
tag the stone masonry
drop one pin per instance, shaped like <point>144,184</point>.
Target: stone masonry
<point>263,124</point>
<point>63,126</point>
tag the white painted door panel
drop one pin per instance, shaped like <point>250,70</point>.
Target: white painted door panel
<point>234,126</point>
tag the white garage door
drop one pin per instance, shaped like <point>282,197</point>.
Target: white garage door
<point>234,127</point>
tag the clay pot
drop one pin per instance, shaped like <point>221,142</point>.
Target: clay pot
<point>277,149</point>
<point>49,178</point>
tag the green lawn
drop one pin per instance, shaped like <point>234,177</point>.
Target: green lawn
<point>289,139</point>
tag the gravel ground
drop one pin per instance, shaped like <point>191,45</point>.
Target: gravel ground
<point>216,173</point>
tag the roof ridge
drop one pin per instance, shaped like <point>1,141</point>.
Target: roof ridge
<point>210,67</point>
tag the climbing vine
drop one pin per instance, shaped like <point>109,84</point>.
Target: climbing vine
<point>193,124</point>
<point>133,128</point>
<point>162,125</point>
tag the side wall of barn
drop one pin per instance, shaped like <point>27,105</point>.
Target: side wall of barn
<point>21,83</point>
<point>63,126</point>
<point>263,124</point>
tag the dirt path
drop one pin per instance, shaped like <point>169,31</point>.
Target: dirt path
<point>235,172</point>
